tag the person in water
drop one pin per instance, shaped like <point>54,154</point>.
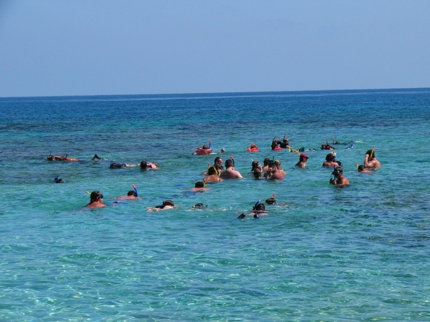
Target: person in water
<point>303,158</point>
<point>131,195</point>
<point>56,158</point>
<point>330,161</point>
<point>214,171</point>
<point>200,186</point>
<point>339,179</point>
<point>148,165</point>
<point>199,206</point>
<point>275,144</point>
<point>230,172</point>
<point>115,165</point>
<point>361,168</point>
<point>285,144</point>
<point>166,205</point>
<point>259,210</point>
<point>256,169</point>
<point>58,180</point>
<point>275,172</point>
<point>96,200</point>
<point>370,161</point>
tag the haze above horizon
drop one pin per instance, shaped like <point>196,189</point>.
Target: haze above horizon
<point>79,48</point>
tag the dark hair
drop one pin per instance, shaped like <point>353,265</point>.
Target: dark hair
<point>229,163</point>
<point>260,207</point>
<point>199,184</point>
<point>337,171</point>
<point>95,196</point>
<point>266,161</point>
<point>217,159</point>
<point>371,153</point>
<point>329,157</point>
<point>132,193</point>
<point>143,164</point>
<point>168,202</point>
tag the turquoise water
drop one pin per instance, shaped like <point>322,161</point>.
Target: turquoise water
<point>325,253</point>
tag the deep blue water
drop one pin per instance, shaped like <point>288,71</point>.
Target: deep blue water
<point>324,253</point>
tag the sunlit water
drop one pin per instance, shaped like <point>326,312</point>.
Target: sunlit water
<point>323,253</point>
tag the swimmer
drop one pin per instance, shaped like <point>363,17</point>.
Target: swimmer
<point>330,161</point>
<point>256,169</point>
<point>259,210</point>
<point>370,161</point>
<point>303,158</point>
<point>222,151</point>
<point>339,179</point>
<point>326,146</point>
<point>58,180</point>
<point>230,172</point>
<point>115,165</point>
<point>96,200</point>
<point>56,158</point>
<point>199,206</point>
<point>131,195</point>
<point>275,144</point>
<point>271,200</point>
<point>285,144</point>
<point>148,165</point>
<point>200,186</point>
<point>361,168</point>
<point>214,171</point>
<point>167,205</point>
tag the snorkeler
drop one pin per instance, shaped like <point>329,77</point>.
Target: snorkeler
<point>259,210</point>
<point>200,186</point>
<point>131,195</point>
<point>330,161</point>
<point>230,172</point>
<point>148,165</point>
<point>275,172</point>
<point>339,179</point>
<point>370,160</point>
<point>361,168</point>
<point>166,205</point>
<point>96,200</point>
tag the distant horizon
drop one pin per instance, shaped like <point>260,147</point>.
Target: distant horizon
<point>221,93</point>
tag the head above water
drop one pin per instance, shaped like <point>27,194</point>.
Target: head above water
<point>95,196</point>
<point>337,171</point>
<point>132,193</point>
<point>143,164</point>
<point>229,163</point>
<point>199,184</point>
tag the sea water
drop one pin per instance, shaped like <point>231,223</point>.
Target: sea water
<point>323,253</point>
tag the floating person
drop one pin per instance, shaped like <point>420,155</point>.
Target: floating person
<point>275,145</point>
<point>230,172</point>
<point>303,158</point>
<point>96,200</point>
<point>361,168</point>
<point>166,205</point>
<point>114,165</point>
<point>252,148</point>
<point>61,158</point>
<point>326,146</point>
<point>200,186</point>
<point>204,149</point>
<point>339,179</point>
<point>271,200</point>
<point>370,161</point>
<point>131,195</point>
<point>259,210</point>
<point>58,180</point>
<point>285,144</point>
<point>144,165</point>
<point>199,206</point>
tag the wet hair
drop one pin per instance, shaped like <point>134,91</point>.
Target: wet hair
<point>360,168</point>
<point>143,164</point>
<point>329,157</point>
<point>217,159</point>
<point>266,161</point>
<point>229,163</point>
<point>271,201</point>
<point>199,206</point>
<point>259,207</point>
<point>211,171</point>
<point>199,184</point>
<point>168,202</point>
<point>205,147</point>
<point>95,196</point>
<point>132,193</point>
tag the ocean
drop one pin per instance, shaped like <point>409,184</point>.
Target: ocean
<point>324,253</point>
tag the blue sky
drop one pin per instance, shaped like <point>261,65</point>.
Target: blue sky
<point>94,47</point>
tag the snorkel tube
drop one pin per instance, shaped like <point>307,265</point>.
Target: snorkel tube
<point>135,189</point>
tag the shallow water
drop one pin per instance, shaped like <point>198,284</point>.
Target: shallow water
<point>324,253</point>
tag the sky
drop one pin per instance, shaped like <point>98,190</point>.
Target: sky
<point>105,47</point>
